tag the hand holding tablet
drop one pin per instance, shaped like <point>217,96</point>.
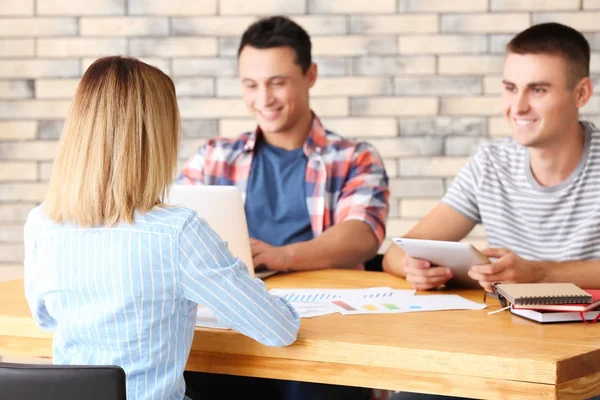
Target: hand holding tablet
<point>457,256</point>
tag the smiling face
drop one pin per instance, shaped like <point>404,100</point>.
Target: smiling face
<point>540,101</point>
<point>274,87</point>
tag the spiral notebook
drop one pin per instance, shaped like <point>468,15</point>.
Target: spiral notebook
<point>566,307</point>
<point>543,293</point>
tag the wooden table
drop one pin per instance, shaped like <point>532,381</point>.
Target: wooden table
<point>461,353</point>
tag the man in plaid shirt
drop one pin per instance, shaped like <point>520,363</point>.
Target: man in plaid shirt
<point>313,199</point>
<point>344,183</point>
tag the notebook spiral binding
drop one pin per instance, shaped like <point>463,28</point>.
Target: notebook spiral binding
<point>543,300</point>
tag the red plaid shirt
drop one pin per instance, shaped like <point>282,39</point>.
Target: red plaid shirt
<point>345,180</point>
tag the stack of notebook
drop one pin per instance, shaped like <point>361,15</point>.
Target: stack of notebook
<point>551,302</point>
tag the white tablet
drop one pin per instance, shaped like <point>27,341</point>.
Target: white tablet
<point>457,256</point>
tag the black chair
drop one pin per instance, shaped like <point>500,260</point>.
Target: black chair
<point>375,263</point>
<point>61,382</point>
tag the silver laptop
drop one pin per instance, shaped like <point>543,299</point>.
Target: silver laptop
<point>223,208</point>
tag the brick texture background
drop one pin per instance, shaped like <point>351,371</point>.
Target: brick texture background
<point>420,79</point>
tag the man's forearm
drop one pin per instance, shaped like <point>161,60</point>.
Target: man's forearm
<point>585,274</point>
<point>345,245</point>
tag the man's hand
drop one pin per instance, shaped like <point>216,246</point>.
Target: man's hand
<point>508,268</point>
<point>422,276</point>
<point>271,257</point>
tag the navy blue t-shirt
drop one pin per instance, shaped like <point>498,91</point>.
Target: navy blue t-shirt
<point>275,197</point>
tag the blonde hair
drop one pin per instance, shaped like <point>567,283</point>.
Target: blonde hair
<point>118,150</point>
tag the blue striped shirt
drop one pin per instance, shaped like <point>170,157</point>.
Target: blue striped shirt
<point>128,295</point>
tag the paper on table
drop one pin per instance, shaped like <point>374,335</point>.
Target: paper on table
<point>314,302</point>
<point>380,300</point>
<point>206,319</point>
<point>434,302</point>
<point>328,295</point>
<point>309,310</point>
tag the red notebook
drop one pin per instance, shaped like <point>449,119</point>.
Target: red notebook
<point>566,307</point>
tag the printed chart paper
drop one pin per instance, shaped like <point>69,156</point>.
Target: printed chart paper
<point>375,300</point>
<point>328,295</point>
<point>378,300</point>
<point>436,302</point>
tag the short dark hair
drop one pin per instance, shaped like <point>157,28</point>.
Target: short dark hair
<point>279,31</point>
<point>555,39</point>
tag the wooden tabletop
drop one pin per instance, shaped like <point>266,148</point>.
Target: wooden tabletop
<point>461,353</point>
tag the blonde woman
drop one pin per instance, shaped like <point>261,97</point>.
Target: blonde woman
<point>112,271</point>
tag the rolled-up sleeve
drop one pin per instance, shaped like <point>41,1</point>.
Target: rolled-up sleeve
<point>365,194</point>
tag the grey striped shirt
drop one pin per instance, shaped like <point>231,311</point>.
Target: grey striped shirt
<point>559,223</point>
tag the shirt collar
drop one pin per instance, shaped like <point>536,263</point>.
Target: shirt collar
<point>315,141</point>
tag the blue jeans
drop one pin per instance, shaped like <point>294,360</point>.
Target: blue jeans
<point>223,387</point>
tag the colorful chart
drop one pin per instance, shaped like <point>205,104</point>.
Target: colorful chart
<point>344,305</point>
<point>376,300</point>
<point>383,307</point>
<point>328,295</point>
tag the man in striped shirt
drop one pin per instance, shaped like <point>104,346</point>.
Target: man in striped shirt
<point>536,194</point>
<point>313,199</point>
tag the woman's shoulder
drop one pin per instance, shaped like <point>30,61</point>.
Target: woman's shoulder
<point>172,212</point>
<point>37,222</point>
<point>36,216</point>
<point>161,219</point>
<point>166,216</point>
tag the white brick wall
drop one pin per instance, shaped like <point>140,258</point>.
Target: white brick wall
<point>390,24</point>
<point>470,65</point>
<point>173,47</point>
<point>172,7</point>
<point>535,5</point>
<point>484,23</point>
<point>419,79</point>
<point>10,7</point>
<point>22,130</point>
<point>261,7</point>
<point>16,171</point>
<point>55,88</point>
<point>17,48</point>
<point>20,27</point>
<point>441,44</point>
<point>443,5</point>
<point>585,22</point>
<point>351,6</point>
<point>80,7</point>
<point>353,45</point>
<point>358,127</point>
<point>38,68</point>
<point>17,89</point>
<point>383,106</point>
<point>124,26</point>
